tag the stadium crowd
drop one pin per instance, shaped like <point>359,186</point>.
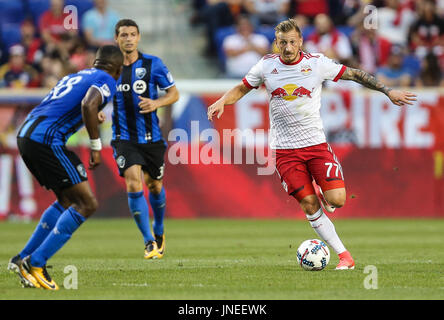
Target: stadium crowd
<point>401,41</point>
<point>404,46</point>
<point>40,44</point>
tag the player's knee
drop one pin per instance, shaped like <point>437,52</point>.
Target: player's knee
<point>133,185</point>
<point>310,205</point>
<point>154,187</point>
<point>91,206</point>
<point>336,200</point>
<point>86,205</point>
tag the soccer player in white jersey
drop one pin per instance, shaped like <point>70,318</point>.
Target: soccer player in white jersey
<point>293,80</point>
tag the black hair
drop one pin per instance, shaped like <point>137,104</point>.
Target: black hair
<point>108,56</point>
<point>125,23</point>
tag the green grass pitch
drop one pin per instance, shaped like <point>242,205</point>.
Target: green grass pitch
<point>237,259</point>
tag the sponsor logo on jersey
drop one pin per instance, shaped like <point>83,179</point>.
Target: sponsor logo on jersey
<point>306,70</point>
<point>290,92</point>
<point>139,86</point>
<point>123,87</point>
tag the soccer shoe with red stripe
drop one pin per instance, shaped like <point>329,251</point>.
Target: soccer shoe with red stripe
<point>325,205</point>
<point>151,250</point>
<point>40,274</point>
<point>27,280</point>
<point>346,261</point>
<point>160,240</point>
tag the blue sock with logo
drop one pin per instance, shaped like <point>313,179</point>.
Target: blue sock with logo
<point>158,202</point>
<point>139,209</point>
<point>47,222</point>
<point>69,221</point>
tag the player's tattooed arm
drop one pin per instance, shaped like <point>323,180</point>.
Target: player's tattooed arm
<point>398,97</point>
<point>366,79</point>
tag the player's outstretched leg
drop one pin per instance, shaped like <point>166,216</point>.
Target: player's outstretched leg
<point>84,204</point>
<point>323,226</point>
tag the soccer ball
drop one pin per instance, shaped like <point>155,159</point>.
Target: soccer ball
<point>313,255</point>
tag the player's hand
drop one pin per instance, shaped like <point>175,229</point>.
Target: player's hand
<point>94,159</point>
<point>147,105</point>
<point>101,116</point>
<point>401,98</point>
<point>217,107</point>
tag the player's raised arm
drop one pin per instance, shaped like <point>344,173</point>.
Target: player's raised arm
<point>398,97</point>
<point>90,108</point>
<point>230,97</point>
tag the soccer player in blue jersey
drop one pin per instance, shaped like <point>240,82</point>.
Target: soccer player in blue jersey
<point>75,101</point>
<point>139,148</point>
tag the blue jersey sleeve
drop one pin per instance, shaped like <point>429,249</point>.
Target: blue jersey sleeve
<point>106,86</point>
<point>162,75</point>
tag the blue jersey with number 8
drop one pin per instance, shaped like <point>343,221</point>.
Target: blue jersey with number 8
<point>59,115</point>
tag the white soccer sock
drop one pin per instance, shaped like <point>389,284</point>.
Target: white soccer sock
<point>326,230</point>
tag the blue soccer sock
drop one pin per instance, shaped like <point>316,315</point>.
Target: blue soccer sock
<point>69,221</point>
<point>139,209</point>
<point>47,222</point>
<point>158,202</point>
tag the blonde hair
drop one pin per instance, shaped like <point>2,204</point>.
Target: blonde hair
<point>287,26</point>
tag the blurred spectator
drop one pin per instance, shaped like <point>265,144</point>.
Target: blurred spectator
<point>430,75</point>
<point>308,8</point>
<point>244,48</point>
<point>329,41</point>
<point>267,12</point>
<point>427,32</point>
<point>394,21</point>
<point>52,25</point>
<point>16,73</point>
<point>52,69</point>
<point>82,57</point>
<point>98,24</point>
<point>215,14</point>
<point>3,57</point>
<point>33,45</point>
<point>302,21</point>
<point>440,8</point>
<point>341,10</point>
<point>371,50</point>
<point>395,74</point>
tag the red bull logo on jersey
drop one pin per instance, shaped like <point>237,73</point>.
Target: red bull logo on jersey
<point>291,92</point>
<point>306,70</point>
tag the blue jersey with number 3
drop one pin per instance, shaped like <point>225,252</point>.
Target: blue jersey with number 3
<point>59,115</point>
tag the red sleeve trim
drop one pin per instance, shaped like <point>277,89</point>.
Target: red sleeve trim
<point>341,72</point>
<point>249,86</point>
